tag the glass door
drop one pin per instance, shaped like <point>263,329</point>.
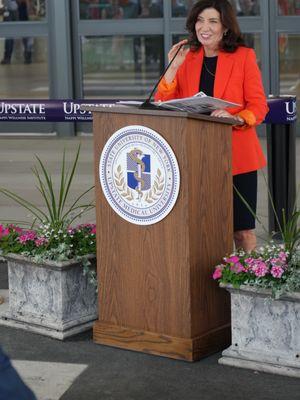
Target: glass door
<point>285,42</point>
<point>118,48</point>
<point>24,58</point>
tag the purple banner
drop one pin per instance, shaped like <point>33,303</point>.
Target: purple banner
<point>48,110</point>
<point>282,110</point>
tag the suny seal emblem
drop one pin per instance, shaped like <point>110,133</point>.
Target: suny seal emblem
<point>139,175</point>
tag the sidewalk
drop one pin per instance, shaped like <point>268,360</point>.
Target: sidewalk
<point>112,374</point>
<point>78,369</point>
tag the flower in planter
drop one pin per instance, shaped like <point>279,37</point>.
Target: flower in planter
<point>46,243</point>
<point>3,231</point>
<point>269,267</point>
<point>274,266</point>
<point>50,236</point>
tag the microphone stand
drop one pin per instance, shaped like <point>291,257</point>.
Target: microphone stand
<point>147,103</point>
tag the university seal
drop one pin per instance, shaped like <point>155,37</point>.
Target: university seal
<point>139,175</point>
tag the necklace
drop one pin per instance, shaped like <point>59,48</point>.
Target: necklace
<point>205,66</point>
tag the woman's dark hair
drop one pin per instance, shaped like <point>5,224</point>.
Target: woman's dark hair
<point>233,37</point>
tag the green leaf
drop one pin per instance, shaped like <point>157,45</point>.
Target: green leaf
<point>50,188</point>
<point>39,214</point>
<point>70,179</point>
<point>72,208</point>
<point>63,178</point>
<point>43,191</point>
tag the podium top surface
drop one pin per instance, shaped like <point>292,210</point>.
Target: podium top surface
<point>157,113</point>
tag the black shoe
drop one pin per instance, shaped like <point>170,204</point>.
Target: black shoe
<point>5,61</point>
<point>27,61</point>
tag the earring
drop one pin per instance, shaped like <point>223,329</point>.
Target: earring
<point>225,33</point>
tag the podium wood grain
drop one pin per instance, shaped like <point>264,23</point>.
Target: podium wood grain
<point>156,293</point>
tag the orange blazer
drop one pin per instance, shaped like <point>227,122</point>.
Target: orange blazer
<point>237,79</point>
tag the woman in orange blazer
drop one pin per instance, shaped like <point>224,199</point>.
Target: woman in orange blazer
<point>220,65</point>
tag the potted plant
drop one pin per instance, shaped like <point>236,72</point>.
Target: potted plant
<point>51,264</point>
<point>265,304</point>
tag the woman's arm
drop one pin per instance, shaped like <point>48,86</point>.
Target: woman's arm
<point>252,91</point>
<point>256,106</point>
<point>168,87</point>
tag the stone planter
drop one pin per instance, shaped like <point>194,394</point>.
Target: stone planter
<point>54,299</point>
<point>265,332</point>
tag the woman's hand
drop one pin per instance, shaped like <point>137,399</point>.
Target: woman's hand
<point>221,113</point>
<point>179,59</point>
<point>226,114</point>
<point>181,55</point>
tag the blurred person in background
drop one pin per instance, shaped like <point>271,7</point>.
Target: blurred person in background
<point>10,13</point>
<point>17,10</point>
<point>23,10</point>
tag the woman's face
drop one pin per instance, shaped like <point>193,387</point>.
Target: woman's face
<point>209,29</point>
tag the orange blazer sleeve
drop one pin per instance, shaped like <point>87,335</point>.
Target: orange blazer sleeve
<point>255,102</point>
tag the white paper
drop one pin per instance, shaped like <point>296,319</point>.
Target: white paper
<point>199,103</point>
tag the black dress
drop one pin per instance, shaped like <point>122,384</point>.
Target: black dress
<point>246,183</point>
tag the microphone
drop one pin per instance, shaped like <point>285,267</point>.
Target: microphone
<point>147,103</point>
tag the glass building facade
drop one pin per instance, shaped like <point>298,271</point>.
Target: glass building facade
<point>116,49</point>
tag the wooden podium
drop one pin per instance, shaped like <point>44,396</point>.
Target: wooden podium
<point>156,293</point>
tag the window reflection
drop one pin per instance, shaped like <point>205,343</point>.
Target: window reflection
<point>289,64</point>
<point>288,7</point>
<point>245,8</point>
<point>121,67</point>
<point>22,10</point>
<point>9,44</point>
<point>25,81</point>
<point>253,40</point>
<point>180,8</point>
<point>120,9</point>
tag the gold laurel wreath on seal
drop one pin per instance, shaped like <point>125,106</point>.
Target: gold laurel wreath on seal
<point>157,188</point>
<point>150,196</point>
<point>124,190</point>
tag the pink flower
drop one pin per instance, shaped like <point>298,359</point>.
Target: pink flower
<point>235,265</point>
<point>259,268</point>
<point>88,226</point>
<point>282,256</point>
<point>93,231</point>
<point>40,241</point>
<point>16,228</point>
<point>232,259</point>
<point>237,268</point>
<point>3,231</point>
<point>278,262</point>
<point>218,272</point>
<point>277,271</point>
<point>27,236</point>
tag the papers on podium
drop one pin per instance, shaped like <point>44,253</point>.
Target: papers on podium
<point>199,103</point>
